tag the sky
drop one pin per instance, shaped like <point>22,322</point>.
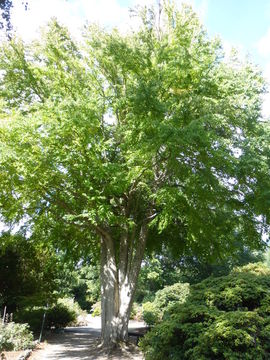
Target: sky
<point>244,24</point>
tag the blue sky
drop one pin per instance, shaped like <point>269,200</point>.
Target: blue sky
<point>244,24</point>
<point>240,22</point>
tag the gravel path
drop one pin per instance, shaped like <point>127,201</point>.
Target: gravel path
<point>82,343</point>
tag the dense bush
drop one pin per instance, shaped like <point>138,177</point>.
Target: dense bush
<point>96,309</point>
<point>136,312</point>
<point>72,305</point>
<point>150,313</point>
<point>153,311</point>
<point>15,337</point>
<point>32,316</point>
<point>222,318</point>
<point>57,316</point>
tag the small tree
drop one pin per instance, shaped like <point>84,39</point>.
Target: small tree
<point>125,141</point>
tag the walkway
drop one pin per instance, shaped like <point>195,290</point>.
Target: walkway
<point>82,344</point>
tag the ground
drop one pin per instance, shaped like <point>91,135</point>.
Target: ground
<point>82,343</point>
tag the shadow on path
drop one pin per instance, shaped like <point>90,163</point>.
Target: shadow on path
<point>80,343</point>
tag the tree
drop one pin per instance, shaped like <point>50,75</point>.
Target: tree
<point>28,273</point>
<point>127,141</point>
<point>5,8</point>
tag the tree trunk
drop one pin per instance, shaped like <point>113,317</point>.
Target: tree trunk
<point>118,284</point>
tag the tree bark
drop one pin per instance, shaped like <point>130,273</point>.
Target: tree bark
<point>118,284</point>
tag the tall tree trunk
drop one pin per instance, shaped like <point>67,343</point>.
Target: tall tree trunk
<point>118,284</point>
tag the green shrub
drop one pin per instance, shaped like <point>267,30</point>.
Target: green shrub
<point>151,314</point>
<point>32,316</point>
<point>59,316</point>
<point>136,312</point>
<point>222,318</point>
<point>72,305</point>
<point>15,337</point>
<point>154,311</point>
<point>170,295</point>
<point>96,309</point>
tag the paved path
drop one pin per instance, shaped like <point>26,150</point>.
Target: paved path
<point>82,343</point>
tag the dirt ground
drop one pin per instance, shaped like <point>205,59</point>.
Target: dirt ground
<point>11,355</point>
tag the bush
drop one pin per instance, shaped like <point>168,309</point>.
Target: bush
<point>151,314</point>
<point>223,318</point>
<point>136,312</point>
<point>96,309</point>
<point>59,316</point>
<point>32,316</point>
<point>164,299</point>
<point>170,295</point>
<point>15,337</point>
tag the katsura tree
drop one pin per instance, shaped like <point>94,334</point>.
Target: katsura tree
<point>122,142</point>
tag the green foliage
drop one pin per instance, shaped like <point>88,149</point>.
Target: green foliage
<point>56,316</point>
<point>164,299</point>
<point>15,337</point>
<point>59,316</point>
<point>29,272</point>
<point>195,269</point>
<point>71,305</point>
<point>151,314</point>
<point>156,273</point>
<point>177,112</point>
<point>142,139</point>
<point>170,295</point>
<point>32,316</point>
<point>96,309</point>
<point>86,286</point>
<point>136,312</point>
<point>223,318</point>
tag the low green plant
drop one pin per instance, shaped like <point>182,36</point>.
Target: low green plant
<point>151,314</point>
<point>223,318</point>
<point>15,337</point>
<point>59,316</point>
<point>72,305</point>
<point>96,309</point>
<point>136,312</point>
<point>153,311</point>
<point>33,316</point>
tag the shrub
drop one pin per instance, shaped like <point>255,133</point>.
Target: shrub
<point>154,311</point>
<point>151,314</point>
<point>170,295</point>
<point>96,309</point>
<point>15,337</point>
<point>222,318</point>
<point>59,316</point>
<point>136,312</point>
<point>32,316</point>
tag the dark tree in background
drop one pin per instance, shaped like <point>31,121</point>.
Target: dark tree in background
<point>5,7</point>
<point>5,20</point>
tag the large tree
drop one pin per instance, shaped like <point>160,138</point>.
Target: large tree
<point>123,142</point>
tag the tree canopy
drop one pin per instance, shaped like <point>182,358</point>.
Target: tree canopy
<point>135,139</point>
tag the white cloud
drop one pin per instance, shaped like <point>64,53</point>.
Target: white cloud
<point>263,45</point>
<point>74,13</point>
